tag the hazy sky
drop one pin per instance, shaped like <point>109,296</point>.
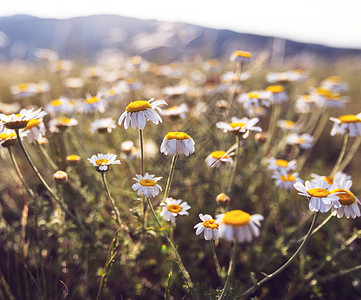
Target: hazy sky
<point>331,22</point>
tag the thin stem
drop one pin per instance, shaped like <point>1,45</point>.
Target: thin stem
<point>235,165</point>
<point>232,263</point>
<point>46,156</point>
<point>170,177</point>
<point>234,86</point>
<point>341,155</point>
<point>111,200</point>
<point>177,256</point>
<point>141,140</point>
<point>276,110</point>
<point>351,153</point>
<point>216,261</point>
<point>285,265</point>
<point>64,208</point>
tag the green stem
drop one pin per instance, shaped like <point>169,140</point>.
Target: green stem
<point>141,140</point>
<point>232,263</point>
<point>235,165</point>
<point>111,200</point>
<point>177,256</point>
<point>234,87</point>
<point>341,155</point>
<point>51,192</point>
<point>216,261</point>
<point>285,265</point>
<point>351,153</point>
<point>47,157</point>
<point>170,177</point>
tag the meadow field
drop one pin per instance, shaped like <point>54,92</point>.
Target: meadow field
<point>199,179</point>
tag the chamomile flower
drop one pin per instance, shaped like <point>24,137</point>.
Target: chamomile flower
<point>138,112</point>
<point>339,176</point>
<point>305,141</point>
<point>8,137</point>
<point>240,56</point>
<point>93,104</point>
<point>61,106</point>
<point>305,104</point>
<point>74,83</point>
<point>35,130</point>
<point>73,159</point>
<point>23,90</point>
<point>172,208</point>
<point>285,180</point>
<point>240,126</point>
<point>177,143</point>
<point>209,226</point>
<point>277,94</point>
<point>176,112</point>
<point>128,150</point>
<point>254,99</point>
<point>335,84</point>
<point>102,125</point>
<point>319,192</point>
<point>350,204</point>
<point>18,121</point>
<point>239,225</point>
<point>287,125</point>
<point>281,165</point>
<point>146,185</point>
<point>220,157</point>
<point>61,124</point>
<point>350,124</point>
<point>102,162</point>
<point>327,98</point>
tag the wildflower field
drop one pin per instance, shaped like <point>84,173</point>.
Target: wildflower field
<point>200,179</point>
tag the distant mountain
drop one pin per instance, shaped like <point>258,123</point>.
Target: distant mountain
<point>85,37</point>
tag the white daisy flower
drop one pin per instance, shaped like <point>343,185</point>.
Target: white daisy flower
<point>220,157</point>
<point>18,121</point>
<point>339,176</point>
<point>173,208</point>
<point>177,90</point>
<point>60,106</point>
<point>239,225</point>
<point>8,137</point>
<point>326,98</point>
<point>255,99</point>
<point>334,84</point>
<point>35,130</point>
<point>146,185</point>
<point>287,125</point>
<point>176,112</point>
<point>177,143</point>
<point>277,94</point>
<point>61,124</point>
<point>350,124</point>
<point>209,226</point>
<point>281,165</point>
<point>101,161</point>
<point>138,112</point>
<point>239,126</point>
<point>128,150</point>
<point>23,90</point>
<point>102,125</point>
<point>240,56</point>
<point>350,204</point>
<point>93,104</point>
<point>305,104</point>
<point>305,141</point>
<point>320,195</point>
<point>286,181</point>
<point>61,66</point>
<point>74,83</point>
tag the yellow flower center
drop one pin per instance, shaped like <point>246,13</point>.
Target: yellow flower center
<point>219,154</point>
<point>91,100</point>
<point>64,120</point>
<point>174,208</point>
<point>175,135</point>
<point>328,179</point>
<point>275,89</point>
<point>349,119</point>
<point>130,80</point>
<point>237,125</point>
<point>23,87</point>
<point>346,197</point>
<point>111,92</point>
<point>147,182</point>
<point>288,124</point>
<point>138,106</point>
<point>323,92</point>
<point>73,157</point>
<point>99,162</point>
<point>32,123</point>
<point>56,102</point>
<point>281,163</point>
<point>242,54</point>
<point>253,95</point>
<point>288,177</point>
<point>212,224</point>
<point>300,141</point>
<point>318,192</point>
<point>5,136</point>
<point>236,218</point>
<point>334,79</point>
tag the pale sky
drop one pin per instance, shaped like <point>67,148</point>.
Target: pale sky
<point>330,22</point>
